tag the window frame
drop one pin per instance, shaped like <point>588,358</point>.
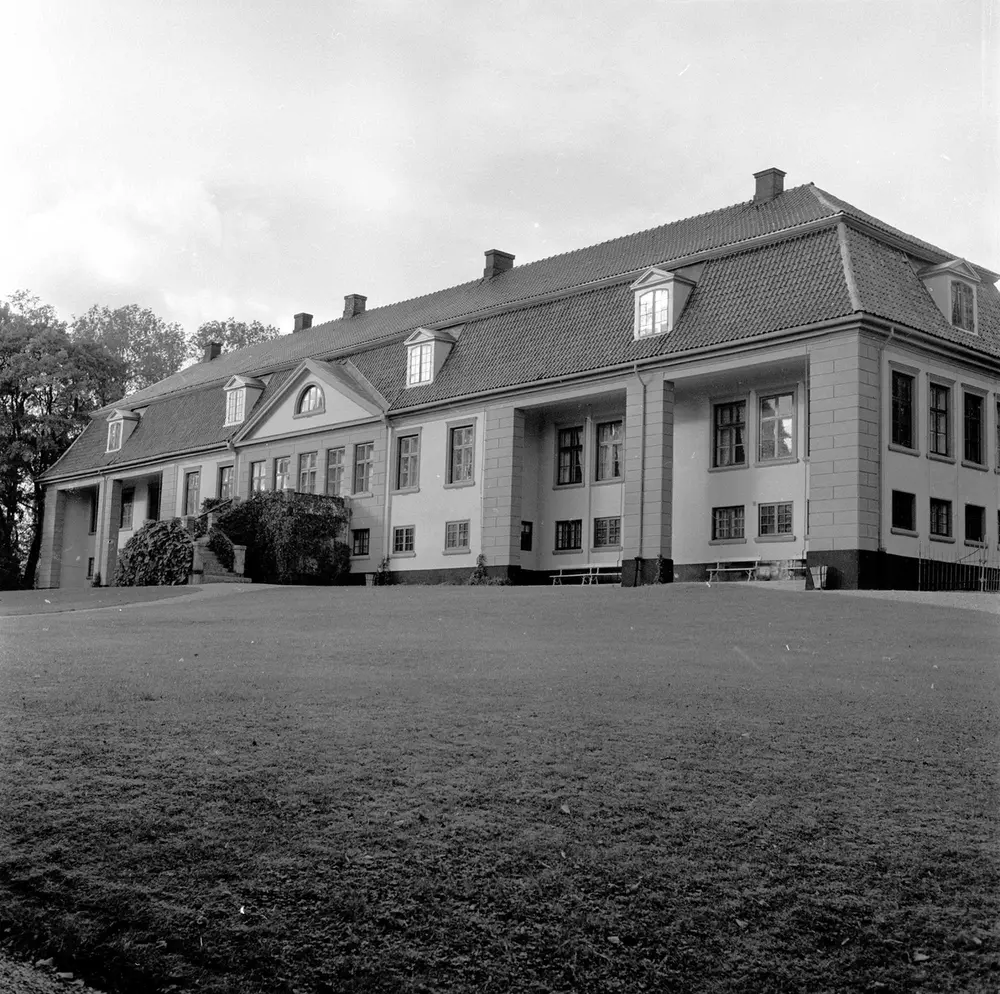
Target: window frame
<point>361,536</point>
<point>450,428</point>
<point>400,532</point>
<point>577,448</point>
<point>413,464</point>
<point>186,491</point>
<point>339,466</point>
<point>93,518</point>
<point>90,568</point>
<point>116,434</point>
<point>153,506</point>
<point>895,408</point>
<point>902,529</point>
<point>286,476</point>
<point>968,292</point>
<point>318,408</point>
<point>307,471</point>
<point>458,550</point>
<point>262,463</point>
<point>606,520</point>
<point>236,401</point>
<point>738,511</point>
<point>968,392</point>
<point>611,445</point>
<point>658,322</point>
<point>775,393</point>
<point>369,462</point>
<point>219,480</point>
<point>778,535</point>
<point>934,417</point>
<point>714,464</point>
<point>573,527</point>
<point>420,357</point>
<point>942,505</point>
<point>527,531</point>
<point>983,535</point>
<point>126,522</point>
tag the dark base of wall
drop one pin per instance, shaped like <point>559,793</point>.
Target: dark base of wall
<point>863,569</point>
<point>641,572</point>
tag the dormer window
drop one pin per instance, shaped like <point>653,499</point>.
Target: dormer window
<point>236,405</point>
<point>310,400</point>
<point>660,297</point>
<point>963,304</point>
<point>419,364</point>
<point>654,313</point>
<point>114,436</point>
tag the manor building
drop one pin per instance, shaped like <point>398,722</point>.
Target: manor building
<point>787,378</point>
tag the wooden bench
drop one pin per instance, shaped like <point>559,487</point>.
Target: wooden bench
<point>735,567</point>
<point>587,574</point>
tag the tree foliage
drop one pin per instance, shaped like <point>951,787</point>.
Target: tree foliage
<point>290,538</point>
<point>160,553</point>
<point>231,335</point>
<point>150,348</point>
<point>49,382</point>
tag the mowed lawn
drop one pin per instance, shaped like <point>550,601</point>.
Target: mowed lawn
<point>677,788</point>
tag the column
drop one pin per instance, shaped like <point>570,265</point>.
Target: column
<point>111,511</point>
<point>50,555</point>
<point>503,470</point>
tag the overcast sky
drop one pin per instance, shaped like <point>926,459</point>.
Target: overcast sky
<point>258,158</point>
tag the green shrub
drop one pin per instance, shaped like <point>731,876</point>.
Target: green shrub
<point>481,575</point>
<point>220,543</point>
<point>159,553</point>
<point>290,538</point>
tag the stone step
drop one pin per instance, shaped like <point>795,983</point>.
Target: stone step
<point>223,578</point>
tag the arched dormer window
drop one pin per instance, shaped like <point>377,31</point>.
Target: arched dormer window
<point>310,400</point>
<point>654,313</point>
<point>114,436</point>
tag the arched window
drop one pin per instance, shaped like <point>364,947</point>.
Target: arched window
<point>310,400</point>
<point>654,313</point>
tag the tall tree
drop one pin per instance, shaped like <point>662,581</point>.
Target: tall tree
<point>231,335</point>
<point>48,385</point>
<point>150,347</point>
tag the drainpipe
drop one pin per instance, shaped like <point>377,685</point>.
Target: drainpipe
<point>387,520</point>
<point>881,454</point>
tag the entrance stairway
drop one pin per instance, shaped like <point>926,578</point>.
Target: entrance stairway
<point>208,569</point>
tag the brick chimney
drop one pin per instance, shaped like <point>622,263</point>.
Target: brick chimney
<point>303,321</point>
<point>497,262</point>
<point>770,182</point>
<point>212,351</point>
<point>354,304</point>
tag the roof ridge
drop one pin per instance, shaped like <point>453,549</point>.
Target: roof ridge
<point>845,259</point>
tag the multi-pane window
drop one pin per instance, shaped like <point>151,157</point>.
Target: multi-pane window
<point>569,534</point>
<point>609,451</point>
<point>114,436</point>
<point>456,535</point>
<point>258,476</point>
<point>526,530</point>
<point>607,531</point>
<point>310,401</point>
<point>307,472</point>
<point>728,522</point>
<point>461,442</point>
<point>192,490</point>
<point>974,408</point>
<point>902,410</point>
<point>776,426</point>
<point>941,517</point>
<point>654,313</point>
<point>235,406</point>
<point>90,568</point>
<point>570,455</point>
<point>93,513</point>
<point>775,519</point>
<point>418,369</point>
<point>402,538</point>
<point>360,538</point>
<point>963,313</point>
<point>939,414</point>
<point>334,471</point>
<point>282,472</point>
<point>408,462</point>
<point>730,434</point>
<point>975,523</point>
<point>904,511</point>
<point>363,462</point>
<point>127,509</point>
<point>153,501</point>
<point>226,482</point>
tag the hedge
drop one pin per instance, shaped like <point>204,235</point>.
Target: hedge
<point>160,553</point>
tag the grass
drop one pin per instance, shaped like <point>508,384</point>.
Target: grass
<point>453,789</point>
